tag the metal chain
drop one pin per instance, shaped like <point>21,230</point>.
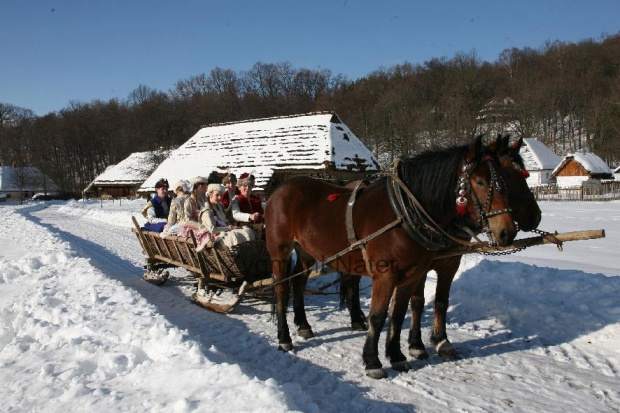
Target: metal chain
<point>559,244</point>
<point>507,252</point>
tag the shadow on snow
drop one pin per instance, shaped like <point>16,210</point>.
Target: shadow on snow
<point>226,339</point>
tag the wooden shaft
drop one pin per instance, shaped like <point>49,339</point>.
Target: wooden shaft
<point>525,242</point>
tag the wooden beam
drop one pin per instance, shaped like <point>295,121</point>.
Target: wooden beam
<point>524,242</point>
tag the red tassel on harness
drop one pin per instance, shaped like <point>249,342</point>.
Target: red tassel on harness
<point>333,197</point>
<point>461,206</point>
<point>525,173</point>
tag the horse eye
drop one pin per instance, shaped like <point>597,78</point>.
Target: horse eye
<point>480,183</point>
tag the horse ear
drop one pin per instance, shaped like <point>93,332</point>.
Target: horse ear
<point>516,146</point>
<point>497,144</point>
<point>475,149</point>
<point>478,145</point>
<point>505,141</point>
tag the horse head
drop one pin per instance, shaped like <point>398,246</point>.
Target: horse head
<point>482,193</point>
<point>520,198</point>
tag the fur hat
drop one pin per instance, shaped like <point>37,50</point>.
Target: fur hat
<point>230,178</point>
<point>198,180</point>
<point>162,183</point>
<point>194,182</point>
<point>183,184</point>
<point>246,179</point>
<point>214,187</point>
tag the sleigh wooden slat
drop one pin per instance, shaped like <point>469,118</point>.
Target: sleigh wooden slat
<point>243,269</point>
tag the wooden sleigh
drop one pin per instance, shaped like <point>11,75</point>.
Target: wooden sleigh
<point>224,275</point>
<point>245,269</point>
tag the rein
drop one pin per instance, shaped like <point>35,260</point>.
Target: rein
<point>359,244</point>
<point>461,202</point>
<point>394,176</point>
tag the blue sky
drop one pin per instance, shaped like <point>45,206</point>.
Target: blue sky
<point>57,51</point>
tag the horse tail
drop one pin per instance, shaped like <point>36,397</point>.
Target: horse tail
<point>294,265</point>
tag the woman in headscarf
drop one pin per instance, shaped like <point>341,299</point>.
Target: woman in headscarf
<point>196,200</point>
<point>192,206</point>
<point>215,227</point>
<point>176,217</point>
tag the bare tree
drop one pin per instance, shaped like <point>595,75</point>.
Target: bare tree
<point>141,94</point>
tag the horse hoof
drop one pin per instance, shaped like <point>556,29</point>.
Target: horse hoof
<point>445,350</point>
<point>418,353</point>
<point>359,326</point>
<point>305,333</point>
<point>285,347</point>
<point>376,373</point>
<point>401,365</point>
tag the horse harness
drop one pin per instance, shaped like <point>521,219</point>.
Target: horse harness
<point>416,222</point>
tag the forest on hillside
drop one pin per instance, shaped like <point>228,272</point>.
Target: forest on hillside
<point>566,95</point>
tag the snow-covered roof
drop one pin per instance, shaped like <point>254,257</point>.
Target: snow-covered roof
<point>617,170</point>
<point>589,161</point>
<point>132,170</point>
<point>537,156</point>
<point>261,146</point>
<point>27,179</point>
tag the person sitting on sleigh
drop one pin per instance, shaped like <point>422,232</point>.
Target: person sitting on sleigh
<point>248,208</point>
<point>157,208</point>
<point>215,227</point>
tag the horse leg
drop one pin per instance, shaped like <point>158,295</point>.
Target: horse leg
<point>382,289</point>
<point>299,288</point>
<point>398,309</point>
<point>350,294</point>
<point>446,270</point>
<point>416,345</point>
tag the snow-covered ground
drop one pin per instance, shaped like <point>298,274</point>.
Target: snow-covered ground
<point>80,331</point>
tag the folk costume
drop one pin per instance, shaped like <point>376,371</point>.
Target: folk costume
<point>244,207</point>
<point>176,217</point>
<point>157,209</point>
<point>216,229</point>
<point>227,198</point>
<point>192,207</point>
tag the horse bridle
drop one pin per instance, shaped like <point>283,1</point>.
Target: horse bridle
<point>497,184</point>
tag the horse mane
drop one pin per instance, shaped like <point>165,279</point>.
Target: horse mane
<point>431,176</point>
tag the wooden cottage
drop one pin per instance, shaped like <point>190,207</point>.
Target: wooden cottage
<point>580,169</point>
<point>273,150</point>
<point>123,179</point>
<point>539,160</point>
<point>23,182</point>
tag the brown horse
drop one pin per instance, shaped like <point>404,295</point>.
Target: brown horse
<point>526,213</point>
<point>313,213</point>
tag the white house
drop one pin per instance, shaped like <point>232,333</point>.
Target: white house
<point>272,149</point>
<point>540,161</point>
<point>124,178</point>
<point>23,182</point>
<point>617,173</point>
<point>579,169</point>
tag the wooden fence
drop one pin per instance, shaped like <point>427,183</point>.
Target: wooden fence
<point>606,191</point>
